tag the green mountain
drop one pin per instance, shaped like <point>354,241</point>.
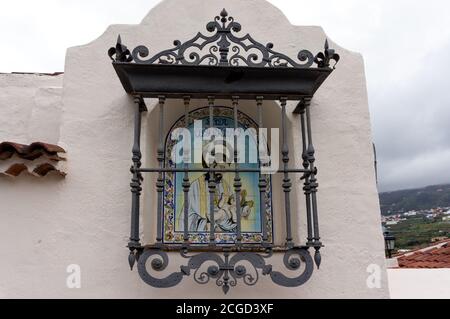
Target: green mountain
<point>415,199</point>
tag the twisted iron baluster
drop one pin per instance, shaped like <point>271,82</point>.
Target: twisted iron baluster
<point>135,184</point>
<point>306,175</point>
<point>313,185</point>
<point>237,179</point>
<point>262,178</point>
<point>211,181</point>
<point>186,183</point>
<point>160,180</point>
<point>286,180</point>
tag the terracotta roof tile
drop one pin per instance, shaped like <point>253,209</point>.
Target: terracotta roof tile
<point>38,159</point>
<point>39,170</point>
<point>15,169</point>
<point>30,152</point>
<point>45,168</point>
<point>437,256</point>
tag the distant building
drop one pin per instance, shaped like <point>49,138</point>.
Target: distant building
<point>439,238</point>
<point>410,213</point>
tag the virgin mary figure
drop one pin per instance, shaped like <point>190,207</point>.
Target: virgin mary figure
<point>199,199</point>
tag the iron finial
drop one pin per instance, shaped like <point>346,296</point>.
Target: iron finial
<point>317,257</point>
<point>322,59</point>
<point>223,13</point>
<point>131,259</point>
<point>120,53</point>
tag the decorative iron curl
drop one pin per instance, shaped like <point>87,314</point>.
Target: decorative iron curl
<point>226,270</point>
<point>294,263</point>
<point>213,271</point>
<point>158,264</point>
<point>214,49</point>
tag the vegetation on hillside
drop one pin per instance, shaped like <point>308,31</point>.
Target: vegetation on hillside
<point>416,217</point>
<point>417,232</point>
<point>415,199</point>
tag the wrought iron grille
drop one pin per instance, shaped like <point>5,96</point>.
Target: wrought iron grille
<point>218,59</point>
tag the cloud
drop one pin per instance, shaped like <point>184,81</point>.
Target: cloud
<point>411,126</point>
<point>36,34</point>
<point>405,45</point>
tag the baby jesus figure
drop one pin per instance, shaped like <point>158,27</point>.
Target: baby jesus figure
<point>226,215</point>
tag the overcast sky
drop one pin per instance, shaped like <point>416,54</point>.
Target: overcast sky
<point>405,43</point>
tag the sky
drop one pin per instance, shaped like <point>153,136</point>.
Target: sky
<point>405,44</point>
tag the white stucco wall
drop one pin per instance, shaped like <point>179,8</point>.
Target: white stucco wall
<point>30,107</point>
<point>30,111</point>
<point>84,219</point>
<point>419,283</point>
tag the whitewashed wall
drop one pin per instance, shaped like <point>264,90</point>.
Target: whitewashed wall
<point>30,107</point>
<point>48,224</point>
<point>419,283</point>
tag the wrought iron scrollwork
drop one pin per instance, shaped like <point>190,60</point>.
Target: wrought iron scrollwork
<point>293,259</point>
<point>158,263</point>
<point>223,47</point>
<point>226,269</point>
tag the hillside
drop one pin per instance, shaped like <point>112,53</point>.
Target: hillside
<point>415,199</point>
